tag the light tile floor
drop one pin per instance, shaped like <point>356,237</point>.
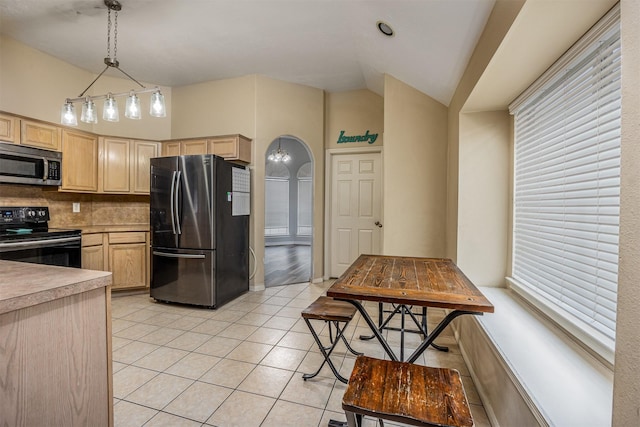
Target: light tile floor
<point>242,364</point>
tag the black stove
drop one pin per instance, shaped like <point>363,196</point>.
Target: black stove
<point>25,236</point>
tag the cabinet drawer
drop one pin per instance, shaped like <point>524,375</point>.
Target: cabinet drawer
<point>91,239</point>
<point>127,237</point>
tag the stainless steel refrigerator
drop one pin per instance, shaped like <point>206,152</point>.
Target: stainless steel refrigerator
<point>199,214</point>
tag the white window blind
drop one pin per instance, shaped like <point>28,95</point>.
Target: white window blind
<point>276,207</point>
<point>305,199</point>
<point>567,188</point>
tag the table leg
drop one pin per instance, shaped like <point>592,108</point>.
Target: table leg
<point>437,331</point>
<point>422,326</point>
<point>373,327</point>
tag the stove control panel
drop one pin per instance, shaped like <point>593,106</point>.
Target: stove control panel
<point>13,215</point>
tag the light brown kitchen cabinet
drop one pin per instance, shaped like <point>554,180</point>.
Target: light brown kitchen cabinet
<point>231,147</point>
<point>128,254</point>
<point>94,257</point>
<point>125,165</point>
<point>79,161</point>
<point>170,149</point>
<point>193,147</point>
<point>141,155</point>
<point>41,135</point>
<point>115,156</point>
<point>9,128</point>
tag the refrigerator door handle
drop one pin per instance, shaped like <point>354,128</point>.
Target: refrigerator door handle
<point>170,255</point>
<point>172,202</point>
<point>175,201</point>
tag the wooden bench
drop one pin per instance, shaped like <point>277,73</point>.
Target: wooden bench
<point>406,393</point>
<point>332,312</point>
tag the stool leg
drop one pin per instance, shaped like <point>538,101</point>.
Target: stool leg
<point>356,353</point>
<point>325,353</point>
<point>353,419</point>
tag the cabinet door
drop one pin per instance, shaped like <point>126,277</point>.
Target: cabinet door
<point>170,149</point>
<point>235,147</point>
<point>142,153</point>
<point>79,161</point>
<point>115,165</point>
<point>40,135</point>
<point>9,129</point>
<point>196,146</point>
<point>127,263</point>
<point>93,257</point>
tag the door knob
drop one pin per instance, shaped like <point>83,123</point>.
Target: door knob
<point>378,224</point>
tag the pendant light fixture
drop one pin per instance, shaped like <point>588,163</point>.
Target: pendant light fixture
<point>133,109</point>
<point>279,155</point>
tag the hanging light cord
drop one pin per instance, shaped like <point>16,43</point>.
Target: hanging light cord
<point>115,6</point>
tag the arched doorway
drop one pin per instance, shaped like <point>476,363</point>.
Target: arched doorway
<point>288,232</point>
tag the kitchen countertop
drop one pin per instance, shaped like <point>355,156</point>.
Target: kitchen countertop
<point>25,284</point>
<point>113,228</point>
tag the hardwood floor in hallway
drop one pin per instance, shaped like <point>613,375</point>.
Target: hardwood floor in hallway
<point>287,264</point>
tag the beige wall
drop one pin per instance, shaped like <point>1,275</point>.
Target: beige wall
<point>355,113</point>
<point>219,107</point>
<point>483,206</point>
<point>415,171</point>
<point>35,85</point>
<point>288,109</point>
<point>502,17</point>
<point>626,392</point>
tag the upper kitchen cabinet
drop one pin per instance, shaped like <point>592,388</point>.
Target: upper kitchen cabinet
<point>188,147</point>
<point>193,147</point>
<point>9,129</point>
<point>125,165</point>
<point>79,161</point>
<point>141,155</point>
<point>171,148</point>
<point>231,147</point>
<point>114,165</point>
<point>41,135</point>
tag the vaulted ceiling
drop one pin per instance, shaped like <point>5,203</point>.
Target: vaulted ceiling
<point>333,45</point>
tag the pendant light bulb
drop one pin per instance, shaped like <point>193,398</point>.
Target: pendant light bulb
<point>68,114</point>
<point>157,107</point>
<point>132,108</point>
<point>89,112</point>
<point>110,111</point>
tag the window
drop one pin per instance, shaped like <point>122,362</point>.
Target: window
<point>276,222</point>
<point>305,201</point>
<point>567,188</point>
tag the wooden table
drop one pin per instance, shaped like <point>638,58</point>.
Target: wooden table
<point>408,281</point>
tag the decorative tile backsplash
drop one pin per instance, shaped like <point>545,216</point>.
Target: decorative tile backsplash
<point>95,209</point>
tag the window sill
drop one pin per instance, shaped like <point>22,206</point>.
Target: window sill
<point>566,385</point>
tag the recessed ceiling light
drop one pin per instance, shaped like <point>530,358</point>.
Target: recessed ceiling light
<point>385,28</point>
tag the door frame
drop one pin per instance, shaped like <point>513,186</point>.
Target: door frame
<point>328,180</point>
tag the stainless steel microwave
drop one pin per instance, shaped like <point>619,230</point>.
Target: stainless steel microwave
<point>28,165</point>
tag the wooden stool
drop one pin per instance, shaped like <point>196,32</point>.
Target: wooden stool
<point>331,311</point>
<point>406,393</point>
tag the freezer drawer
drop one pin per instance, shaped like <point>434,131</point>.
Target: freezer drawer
<point>183,276</point>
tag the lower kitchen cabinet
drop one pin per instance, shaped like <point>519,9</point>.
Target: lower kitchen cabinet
<point>93,253</point>
<point>124,254</point>
<point>128,253</point>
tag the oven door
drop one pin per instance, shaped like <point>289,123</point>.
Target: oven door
<point>64,251</point>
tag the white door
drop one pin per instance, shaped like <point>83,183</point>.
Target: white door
<point>356,207</point>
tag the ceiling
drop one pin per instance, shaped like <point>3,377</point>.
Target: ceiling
<point>332,45</point>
